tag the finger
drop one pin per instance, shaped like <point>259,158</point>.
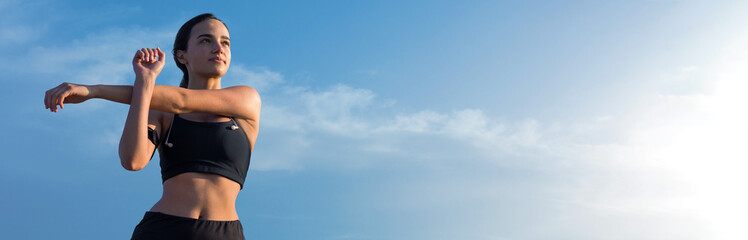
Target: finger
<point>46,96</point>
<point>148,53</point>
<point>62,99</point>
<point>50,102</point>
<point>139,55</point>
<point>152,54</point>
<point>46,99</point>
<point>57,102</point>
<point>161,54</point>
<point>55,98</point>
<point>145,55</point>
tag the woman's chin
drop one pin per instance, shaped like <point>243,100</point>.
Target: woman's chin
<point>218,72</point>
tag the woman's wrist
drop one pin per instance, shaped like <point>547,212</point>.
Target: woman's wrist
<point>146,77</point>
<point>145,82</point>
<point>93,90</point>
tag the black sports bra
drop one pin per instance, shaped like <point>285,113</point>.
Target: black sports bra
<point>209,147</point>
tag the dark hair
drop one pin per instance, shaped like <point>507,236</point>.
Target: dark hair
<point>183,36</point>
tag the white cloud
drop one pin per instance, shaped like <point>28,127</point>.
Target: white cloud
<point>690,68</point>
<point>12,35</point>
<point>333,109</point>
<point>100,57</point>
<point>263,80</point>
<point>344,113</point>
<point>470,124</point>
<point>675,161</point>
<point>364,123</point>
<point>421,122</point>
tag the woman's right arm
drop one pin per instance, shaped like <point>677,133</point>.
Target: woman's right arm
<point>134,147</point>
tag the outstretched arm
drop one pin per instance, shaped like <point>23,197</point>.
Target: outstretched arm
<point>238,101</point>
<point>162,99</point>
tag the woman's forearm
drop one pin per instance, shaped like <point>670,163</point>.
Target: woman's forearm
<point>133,146</point>
<point>163,98</point>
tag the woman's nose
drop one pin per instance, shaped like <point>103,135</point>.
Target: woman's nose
<point>217,48</point>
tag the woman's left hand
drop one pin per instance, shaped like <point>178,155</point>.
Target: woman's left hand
<point>148,62</point>
<point>66,93</point>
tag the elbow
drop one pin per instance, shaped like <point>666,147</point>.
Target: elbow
<point>130,166</point>
<point>131,157</point>
<point>178,107</point>
<point>130,163</point>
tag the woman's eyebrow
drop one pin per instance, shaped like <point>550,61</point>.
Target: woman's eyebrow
<point>211,36</point>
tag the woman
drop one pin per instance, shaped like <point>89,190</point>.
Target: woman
<point>204,133</point>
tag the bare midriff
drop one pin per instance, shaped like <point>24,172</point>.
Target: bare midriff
<point>199,196</point>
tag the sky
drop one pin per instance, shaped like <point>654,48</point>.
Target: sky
<point>404,119</point>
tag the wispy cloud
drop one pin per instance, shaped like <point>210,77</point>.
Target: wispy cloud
<point>98,58</point>
<point>659,167</point>
<point>102,57</point>
<point>12,35</point>
<point>343,112</point>
<point>261,79</point>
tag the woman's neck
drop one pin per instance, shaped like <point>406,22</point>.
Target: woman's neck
<point>204,83</point>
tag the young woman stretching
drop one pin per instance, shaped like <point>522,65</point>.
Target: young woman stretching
<point>204,133</point>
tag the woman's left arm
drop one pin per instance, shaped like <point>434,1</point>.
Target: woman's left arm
<point>237,101</point>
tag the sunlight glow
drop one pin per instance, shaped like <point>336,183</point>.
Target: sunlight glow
<point>710,157</point>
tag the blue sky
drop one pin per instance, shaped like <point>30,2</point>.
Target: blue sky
<point>405,119</point>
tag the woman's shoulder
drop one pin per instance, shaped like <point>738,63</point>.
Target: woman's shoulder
<point>243,89</point>
<point>249,94</point>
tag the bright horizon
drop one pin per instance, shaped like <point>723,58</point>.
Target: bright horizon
<point>405,119</point>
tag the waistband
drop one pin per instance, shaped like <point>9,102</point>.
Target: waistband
<point>164,215</point>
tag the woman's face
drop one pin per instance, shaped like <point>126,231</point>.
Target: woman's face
<point>208,49</point>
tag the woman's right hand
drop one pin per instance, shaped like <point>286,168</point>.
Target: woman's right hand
<point>66,93</point>
<point>148,62</point>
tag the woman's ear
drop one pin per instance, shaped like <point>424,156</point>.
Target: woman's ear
<point>181,58</point>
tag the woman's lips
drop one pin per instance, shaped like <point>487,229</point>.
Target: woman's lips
<point>218,60</point>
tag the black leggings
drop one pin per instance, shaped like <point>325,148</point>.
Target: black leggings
<point>156,225</point>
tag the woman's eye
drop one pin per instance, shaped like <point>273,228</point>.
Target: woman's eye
<point>227,44</point>
<point>204,40</point>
